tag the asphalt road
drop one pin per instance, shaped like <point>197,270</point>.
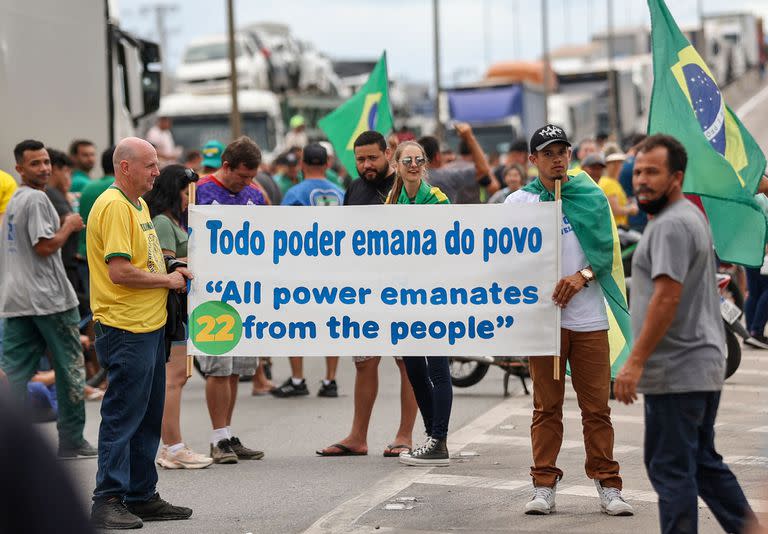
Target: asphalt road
<point>487,484</point>
<point>484,490</point>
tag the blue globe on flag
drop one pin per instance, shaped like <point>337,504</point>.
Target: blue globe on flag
<point>372,113</point>
<point>707,104</point>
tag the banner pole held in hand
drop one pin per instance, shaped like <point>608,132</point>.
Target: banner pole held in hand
<point>558,182</point>
<point>190,358</point>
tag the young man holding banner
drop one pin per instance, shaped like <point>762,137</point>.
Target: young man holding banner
<point>588,276</point>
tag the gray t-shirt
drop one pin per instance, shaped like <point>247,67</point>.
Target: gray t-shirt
<point>31,284</point>
<point>691,356</point>
<point>458,181</point>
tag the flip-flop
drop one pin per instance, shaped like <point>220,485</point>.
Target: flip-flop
<point>343,451</point>
<point>388,451</point>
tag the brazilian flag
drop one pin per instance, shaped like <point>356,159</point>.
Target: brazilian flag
<point>724,161</point>
<point>368,109</point>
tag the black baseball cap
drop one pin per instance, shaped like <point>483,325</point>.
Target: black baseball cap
<point>547,135</point>
<point>315,154</point>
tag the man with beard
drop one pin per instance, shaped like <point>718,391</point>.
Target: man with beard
<point>677,360</point>
<point>372,159</point>
<point>83,154</point>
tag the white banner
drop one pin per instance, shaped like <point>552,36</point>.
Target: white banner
<point>373,280</point>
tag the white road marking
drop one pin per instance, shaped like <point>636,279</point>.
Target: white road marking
<point>753,372</point>
<point>759,429</point>
<point>521,441</point>
<point>750,105</point>
<point>739,388</point>
<point>575,490</point>
<point>343,517</point>
<point>760,461</point>
<point>574,414</point>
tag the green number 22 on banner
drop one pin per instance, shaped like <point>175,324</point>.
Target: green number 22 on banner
<point>215,327</point>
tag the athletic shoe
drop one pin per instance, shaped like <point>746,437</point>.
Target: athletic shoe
<point>543,501</point>
<point>185,458</point>
<point>84,450</point>
<point>222,453</point>
<point>331,390</point>
<point>611,501</point>
<point>287,389</point>
<point>243,452</point>
<point>433,452</point>
<point>112,514</point>
<point>156,509</point>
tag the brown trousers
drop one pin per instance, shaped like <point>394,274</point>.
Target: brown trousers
<point>589,356</point>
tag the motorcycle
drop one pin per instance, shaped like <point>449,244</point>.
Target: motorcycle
<point>467,371</point>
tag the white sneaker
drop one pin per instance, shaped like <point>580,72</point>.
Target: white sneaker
<point>611,501</point>
<point>185,458</point>
<point>543,501</point>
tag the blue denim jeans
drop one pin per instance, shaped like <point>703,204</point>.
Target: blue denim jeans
<point>756,306</point>
<point>431,381</point>
<point>682,463</point>
<point>131,412</point>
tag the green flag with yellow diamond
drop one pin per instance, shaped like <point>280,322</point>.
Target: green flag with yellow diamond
<point>368,109</point>
<point>724,161</point>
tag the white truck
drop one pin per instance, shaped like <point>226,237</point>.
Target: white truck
<point>69,71</point>
<point>199,118</point>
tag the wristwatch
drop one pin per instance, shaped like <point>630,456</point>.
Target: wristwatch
<point>588,276</point>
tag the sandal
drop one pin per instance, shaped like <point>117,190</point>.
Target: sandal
<point>389,452</point>
<point>343,450</point>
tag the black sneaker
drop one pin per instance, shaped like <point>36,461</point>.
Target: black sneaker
<point>84,450</point>
<point>287,389</point>
<point>243,452</point>
<point>433,452</point>
<point>112,514</point>
<point>156,509</point>
<point>331,390</point>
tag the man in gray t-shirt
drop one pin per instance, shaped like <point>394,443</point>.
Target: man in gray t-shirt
<point>37,300</point>
<point>677,359</point>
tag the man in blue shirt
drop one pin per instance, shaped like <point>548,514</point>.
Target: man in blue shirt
<point>315,190</point>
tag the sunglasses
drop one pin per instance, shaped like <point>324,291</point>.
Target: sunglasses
<point>420,161</point>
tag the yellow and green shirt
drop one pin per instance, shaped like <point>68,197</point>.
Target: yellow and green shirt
<point>425,195</point>
<point>119,228</point>
<point>611,188</point>
<point>7,187</point>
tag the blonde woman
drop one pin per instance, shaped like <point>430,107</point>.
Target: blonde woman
<point>430,377</point>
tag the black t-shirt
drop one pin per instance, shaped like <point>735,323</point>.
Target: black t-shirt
<point>62,207</point>
<point>362,192</point>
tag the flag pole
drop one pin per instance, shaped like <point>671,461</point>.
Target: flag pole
<point>558,183</point>
<point>190,358</point>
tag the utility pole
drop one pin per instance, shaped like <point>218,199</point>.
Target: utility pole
<point>234,114</point>
<point>439,133</point>
<point>613,111</point>
<point>545,60</point>
<point>161,12</point>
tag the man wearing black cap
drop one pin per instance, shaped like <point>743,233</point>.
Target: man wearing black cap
<point>315,190</point>
<point>586,243</point>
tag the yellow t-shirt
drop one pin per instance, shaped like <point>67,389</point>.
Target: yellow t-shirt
<point>7,187</point>
<point>612,187</point>
<point>116,227</point>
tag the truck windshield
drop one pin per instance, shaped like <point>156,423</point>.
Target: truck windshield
<point>193,132</point>
<point>211,52</point>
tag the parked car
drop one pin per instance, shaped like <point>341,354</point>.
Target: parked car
<point>283,49</point>
<point>316,72</point>
<point>205,64</point>
<point>279,75</point>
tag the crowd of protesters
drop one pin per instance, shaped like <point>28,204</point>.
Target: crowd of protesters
<point>104,257</point>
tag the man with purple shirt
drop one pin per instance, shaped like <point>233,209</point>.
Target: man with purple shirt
<point>231,185</point>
